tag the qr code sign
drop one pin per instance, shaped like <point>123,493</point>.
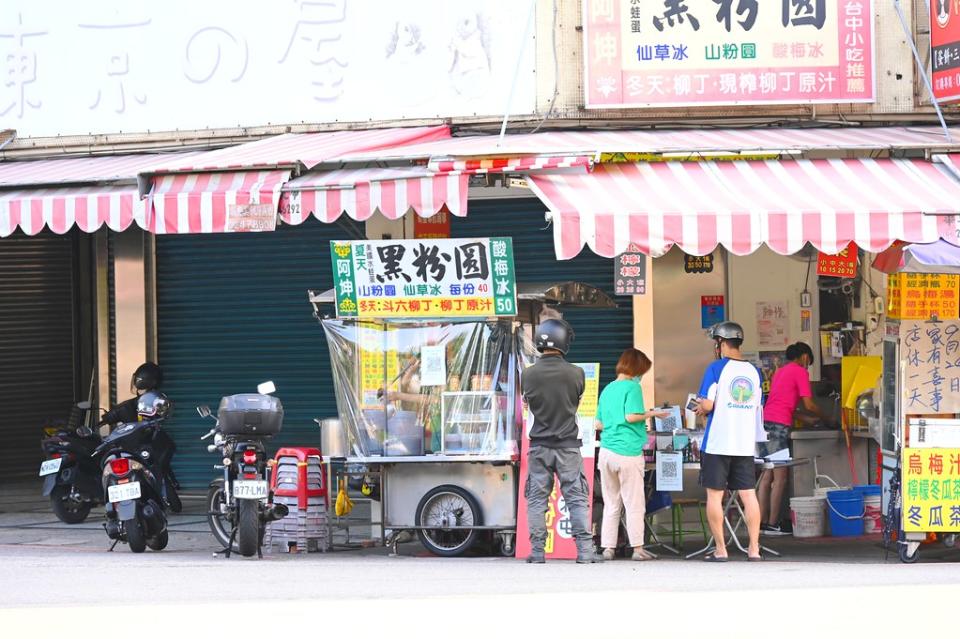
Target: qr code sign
<point>669,468</point>
<point>669,471</point>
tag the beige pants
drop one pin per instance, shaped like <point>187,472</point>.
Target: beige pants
<point>621,479</point>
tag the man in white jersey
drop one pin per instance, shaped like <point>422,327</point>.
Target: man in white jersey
<point>730,397</point>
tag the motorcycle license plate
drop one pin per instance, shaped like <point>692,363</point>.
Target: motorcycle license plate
<point>123,492</point>
<point>249,489</point>
<point>50,466</point>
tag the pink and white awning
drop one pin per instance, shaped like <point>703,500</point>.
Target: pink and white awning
<point>200,202</point>
<point>741,205</point>
<point>361,192</point>
<point>510,164</point>
<point>58,209</point>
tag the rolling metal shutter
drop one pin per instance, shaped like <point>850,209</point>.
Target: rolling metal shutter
<point>37,344</point>
<point>232,312</point>
<point>601,334</point>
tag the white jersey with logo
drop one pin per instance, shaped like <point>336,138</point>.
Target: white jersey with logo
<point>736,423</point>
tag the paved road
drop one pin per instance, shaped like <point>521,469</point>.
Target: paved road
<point>45,564</point>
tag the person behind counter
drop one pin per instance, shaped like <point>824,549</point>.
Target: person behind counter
<point>730,398</point>
<point>622,418</point>
<point>790,386</point>
<point>552,388</point>
<point>427,403</point>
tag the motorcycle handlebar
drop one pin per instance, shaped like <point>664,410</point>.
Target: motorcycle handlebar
<point>210,434</point>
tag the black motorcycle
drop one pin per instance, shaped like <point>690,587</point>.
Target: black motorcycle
<point>238,505</point>
<point>71,475</point>
<point>137,500</point>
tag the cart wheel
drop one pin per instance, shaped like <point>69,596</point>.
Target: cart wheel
<point>906,556</point>
<point>446,506</point>
<point>506,545</point>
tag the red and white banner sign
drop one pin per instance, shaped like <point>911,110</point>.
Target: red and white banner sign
<point>659,53</point>
<point>945,49</point>
<point>843,264</point>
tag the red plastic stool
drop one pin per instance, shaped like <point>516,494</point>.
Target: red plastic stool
<point>302,493</point>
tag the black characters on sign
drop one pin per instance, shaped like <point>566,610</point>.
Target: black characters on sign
<point>429,263</point>
<point>675,12</point>
<point>746,10</point>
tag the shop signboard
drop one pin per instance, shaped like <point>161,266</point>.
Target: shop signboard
<point>698,263</point>
<point>945,49</point>
<point>434,227</point>
<point>560,543</point>
<point>843,264</point>
<point>251,218</point>
<point>923,295</point>
<point>931,350</point>
<point>424,278</point>
<point>660,53</point>
<point>931,490</point>
<point>630,272</point>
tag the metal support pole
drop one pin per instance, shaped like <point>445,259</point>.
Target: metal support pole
<point>922,68</point>
<point>516,71</point>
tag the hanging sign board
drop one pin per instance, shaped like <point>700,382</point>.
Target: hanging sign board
<point>931,490</point>
<point>251,218</point>
<point>923,295</point>
<point>433,227</point>
<point>711,310</point>
<point>424,278</point>
<point>630,272</point>
<point>683,53</point>
<point>698,263</point>
<point>843,264</point>
<point>560,543</point>
<point>932,354</point>
<point>945,49</point>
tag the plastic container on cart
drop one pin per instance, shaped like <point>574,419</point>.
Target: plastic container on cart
<point>250,414</point>
<point>845,508</point>
<point>808,516</point>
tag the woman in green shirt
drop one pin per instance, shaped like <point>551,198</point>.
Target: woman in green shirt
<point>622,418</point>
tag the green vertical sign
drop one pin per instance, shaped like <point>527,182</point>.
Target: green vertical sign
<point>504,281</point>
<point>344,283</point>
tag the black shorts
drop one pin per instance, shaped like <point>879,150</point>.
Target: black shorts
<point>726,472</point>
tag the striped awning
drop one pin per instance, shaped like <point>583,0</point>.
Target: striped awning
<point>741,205</point>
<point>510,164</point>
<point>58,209</point>
<point>201,202</point>
<point>361,192</point>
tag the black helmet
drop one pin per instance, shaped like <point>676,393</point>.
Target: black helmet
<point>154,405</point>
<point>147,377</point>
<point>726,330</point>
<point>554,333</point>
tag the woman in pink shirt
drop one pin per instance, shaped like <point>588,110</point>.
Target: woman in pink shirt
<point>790,386</point>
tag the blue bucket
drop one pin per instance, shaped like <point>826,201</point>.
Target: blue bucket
<point>868,490</point>
<point>846,513</point>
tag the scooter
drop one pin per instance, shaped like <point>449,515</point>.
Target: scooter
<point>238,505</point>
<point>70,472</point>
<point>136,508</point>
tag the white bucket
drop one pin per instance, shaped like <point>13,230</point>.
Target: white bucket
<point>872,509</point>
<point>809,516</point>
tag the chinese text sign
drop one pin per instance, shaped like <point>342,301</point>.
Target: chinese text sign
<point>931,490</point>
<point>945,49</point>
<point>932,377</point>
<point>630,272</point>
<point>923,295</point>
<point>843,264</point>
<point>424,278</point>
<point>716,52</point>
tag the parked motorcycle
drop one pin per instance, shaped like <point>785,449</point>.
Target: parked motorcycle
<point>71,476</point>
<point>238,504</point>
<point>137,500</point>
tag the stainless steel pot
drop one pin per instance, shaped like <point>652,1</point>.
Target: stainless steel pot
<point>333,438</point>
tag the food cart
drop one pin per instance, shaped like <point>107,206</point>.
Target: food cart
<point>919,397</point>
<point>426,375</point>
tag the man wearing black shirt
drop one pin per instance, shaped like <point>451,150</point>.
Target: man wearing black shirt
<point>552,389</point>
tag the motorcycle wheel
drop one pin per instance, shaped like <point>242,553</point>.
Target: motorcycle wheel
<point>136,538</point>
<point>248,534</point>
<point>160,541</point>
<point>67,510</point>
<point>218,521</point>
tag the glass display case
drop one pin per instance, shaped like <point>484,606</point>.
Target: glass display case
<point>472,423</point>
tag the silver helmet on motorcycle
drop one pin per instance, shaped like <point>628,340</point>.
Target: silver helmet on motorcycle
<point>154,405</point>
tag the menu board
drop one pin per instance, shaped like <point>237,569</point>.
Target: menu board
<point>931,490</point>
<point>923,295</point>
<point>931,352</point>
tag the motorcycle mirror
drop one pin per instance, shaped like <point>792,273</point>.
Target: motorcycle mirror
<point>204,411</point>
<point>83,405</point>
<point>266,388</point>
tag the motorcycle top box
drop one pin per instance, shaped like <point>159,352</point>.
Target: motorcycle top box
<point>250,414</point>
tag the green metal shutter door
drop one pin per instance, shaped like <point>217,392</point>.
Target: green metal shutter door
<point>601,335</point>
<point>232,312</point>
<point>37,361</point>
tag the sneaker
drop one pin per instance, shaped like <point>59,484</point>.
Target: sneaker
<point>536,558</point>
<point>609,554</point>
<point>772,531</point>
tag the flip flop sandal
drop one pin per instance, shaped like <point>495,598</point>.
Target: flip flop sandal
<point>757,558</point>
<point>711,558</point>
